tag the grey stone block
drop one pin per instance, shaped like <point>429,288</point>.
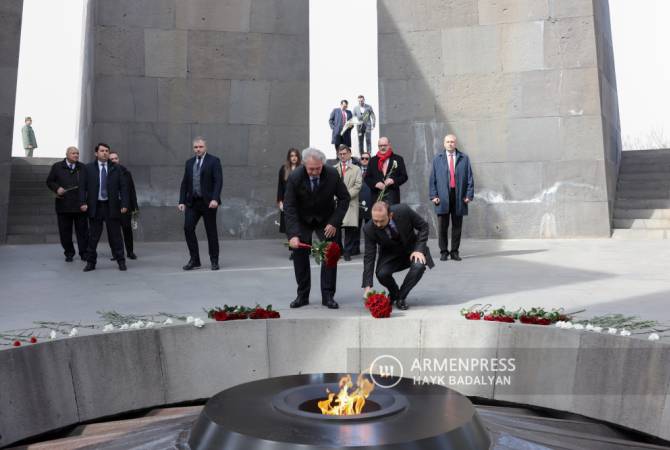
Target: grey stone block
<point>269,144</point>
<point>161,186</point>
<point>473,49</point>
<point>582,219</point>
<point>581,138</point>
<point>160,143</point>
<point>114,134</point>
<point>522,46</point>
<point>163,223</point>
<point>165,53</point>
<point>508,11</point>
<point>37,391</point>
<point>7,90</point>
<point>249,102</point>
<point>125,99</point>
<point>119,51</point>
<point>569,43</point>
<point>536,100</point>
<point>410,55</point>
<point>400,338</point>
<point>570,8</point>
<point>517,181</point>
<point>213,15</point>
<point>193,100</point>
<point>284,57</point>
<point>405,100</point>
<point>127,376</point>
<point>575,181</point>
<point>280,16</point>
<point>136,13</point>
<point>228,142</point>
<point>11,14</point>
<point>193,371</point>
<point>417,15</point>
<point>223,55</point>
<point>289,103</point>
<point>579,92</point>
<point>479,96</point>
<point>310,346</point>
<point>534,139</point>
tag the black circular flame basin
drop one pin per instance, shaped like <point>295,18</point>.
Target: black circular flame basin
<point>267,414</point>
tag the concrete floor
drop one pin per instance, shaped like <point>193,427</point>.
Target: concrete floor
<point>601,275</point>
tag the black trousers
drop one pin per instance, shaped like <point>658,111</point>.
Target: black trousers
<point>127,229</point>
<point>357,238</point>
<point>301,265</point>
<point>443,224</point>
<point>193,214</point>
<point>65,225</point>
<point>349,235</point>
<point>113,232</point>
<point>388,266</point>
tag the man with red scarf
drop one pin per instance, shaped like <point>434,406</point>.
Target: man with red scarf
<point>386,172</point>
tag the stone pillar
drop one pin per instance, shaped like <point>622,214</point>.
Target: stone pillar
<point>528,87</point>
<point>233,71</point>
<point>10,36</point>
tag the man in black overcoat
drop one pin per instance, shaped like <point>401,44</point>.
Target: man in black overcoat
<point>127,218</point>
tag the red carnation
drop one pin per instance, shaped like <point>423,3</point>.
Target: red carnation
<point>33,340</point>
<point>332,255</point>
<point>219,316</point>
<point>17,344</point>
<point>378,304</point>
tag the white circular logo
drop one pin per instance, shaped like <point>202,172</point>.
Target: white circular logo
<point>387,368</point>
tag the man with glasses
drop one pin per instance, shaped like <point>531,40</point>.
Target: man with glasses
<point>386,173</point>
<point>200,196</point>
<point>365,200</point>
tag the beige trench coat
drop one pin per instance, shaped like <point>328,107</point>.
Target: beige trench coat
<point>353,180</point>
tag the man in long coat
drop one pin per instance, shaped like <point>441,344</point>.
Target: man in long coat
<point>353,180</point>
<point>337,121</point>
<point>451,187</point>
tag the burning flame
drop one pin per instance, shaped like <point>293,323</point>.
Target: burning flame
<point>347,403</point>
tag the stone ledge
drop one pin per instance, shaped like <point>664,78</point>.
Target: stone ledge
<point>55,384</point>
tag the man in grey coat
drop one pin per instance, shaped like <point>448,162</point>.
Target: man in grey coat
<point>28,135</point>
<point>451,187</point>
<point>367,121</point>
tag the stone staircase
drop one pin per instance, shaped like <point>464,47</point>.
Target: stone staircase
<point>31,218</point>
<point>642,208</point>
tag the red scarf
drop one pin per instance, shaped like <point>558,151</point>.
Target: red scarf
<point>383,158</point>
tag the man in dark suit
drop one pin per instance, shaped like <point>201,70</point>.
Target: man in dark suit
<point>337,121</point>
<point>310,207</point>
<point>104,196</point>
<point>386,172</point>
<point>64,180</point>
<point>200,196</point>
<point>452,187</point>
<point>402,237</point>
<point>127,217</point>
<point>366,201</point>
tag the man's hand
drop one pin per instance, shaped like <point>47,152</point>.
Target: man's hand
<point>30,146</point>
<point>60,191</point>
<point>181,207</point>
<point>124,210</point>
<point>380,185</point>
<point>329,231</point>
<point>436,200</point>
<point>83,208</point>
<point>213,204</point>
<point>281,205</point>
<point>417,257</point>
<point>366,290</point>
<point>293,242</point>
<point>466,200</point>
<point>389,182</point>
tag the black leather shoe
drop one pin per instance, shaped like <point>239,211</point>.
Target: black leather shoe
<point>113,258</point>
<point>455,257</point>
<point>69,259</point>
<point>330,303</point>
<point>132,255</point>
<point>401,304</point>
<point>122,266</point>
<point>347,257</point>
<point>298,302</point>
<point>444,256</point>
<point>192,265</point>
<point>89,267</point>
<point>215,266</point>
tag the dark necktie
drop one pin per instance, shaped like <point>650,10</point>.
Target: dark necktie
<point>199,164</point>
<point>103,182</point>
<point>315,184</point>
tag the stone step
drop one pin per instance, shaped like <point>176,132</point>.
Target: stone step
<point>634,155</point>
<point>37,219</point>
<point>28,184</point>
<point>638,167</point>
<point>641,203</point>
<point>647,224</point>
<point>31,202</point>
<point>640,234</point>
<point>631,213</point>
<point>33,210</point>
<point>32,229</point>
<point>645,184</point>
<point>655,194</point>
<point>21,239</point>
<point>648,176</point>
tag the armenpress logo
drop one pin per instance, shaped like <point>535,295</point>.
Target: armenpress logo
<point>386,371</point>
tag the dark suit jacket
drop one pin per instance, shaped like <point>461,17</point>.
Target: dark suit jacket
<point>365,196</point>
<point>336,123</point>
<point>117,189</point>
<point>313,209</point>
<point>61,176</point>
<point>375,175</point>
<point>132,194</point>
<point>211,180</point>
<point>438,184</point>
<point>413,231</point>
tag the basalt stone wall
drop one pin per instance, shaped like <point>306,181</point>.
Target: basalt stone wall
<point>11,13</point>
<point>233,71</point>
<point>528,86</point>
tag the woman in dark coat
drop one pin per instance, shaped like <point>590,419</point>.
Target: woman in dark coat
<point>293,160</point>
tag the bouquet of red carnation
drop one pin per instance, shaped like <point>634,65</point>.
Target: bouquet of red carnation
<point>236,312</point>
<point>500,315</point>
<point>327,252</point>
<point>379,304</point>
<point>263,313</point>
<point>475,312</point>
<point>538,316</point>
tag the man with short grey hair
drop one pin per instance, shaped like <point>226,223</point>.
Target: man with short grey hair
<point>367,121</point>
<point>310,207</point>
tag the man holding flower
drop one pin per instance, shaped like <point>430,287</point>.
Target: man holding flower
<point>386,173</point>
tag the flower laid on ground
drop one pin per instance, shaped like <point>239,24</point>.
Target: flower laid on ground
<point>625,333</point>
<point>73,332</point>
<point>149,324</point>
<point>198,322</point>
<point>379,304</point>
<point>578,326</point>
<point>52,335</point>
<point>654,337</point>
<point>190,319</point>
<point>236,312</point>
<point>137,325</point>
<point>326,252</point>
<point>168,321</point>
<point>124,326</point>
<point>108,327</point>
<point>500,315</point>
<point>612,330</point>
<point>33,340</point>
<point>533,316</point>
